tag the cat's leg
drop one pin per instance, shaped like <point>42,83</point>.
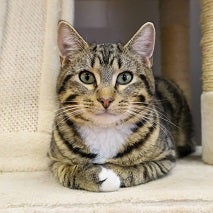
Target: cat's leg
<point>88,177</point>
<point>142,173</point>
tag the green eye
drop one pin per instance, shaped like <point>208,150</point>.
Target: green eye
<point>87,77</point>
<point>124,78</point>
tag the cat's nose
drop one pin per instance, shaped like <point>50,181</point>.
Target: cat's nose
<point>106,102</point>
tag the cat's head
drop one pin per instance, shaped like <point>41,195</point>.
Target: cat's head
<point>105,84</point>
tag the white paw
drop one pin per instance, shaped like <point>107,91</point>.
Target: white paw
<point>111,181</point>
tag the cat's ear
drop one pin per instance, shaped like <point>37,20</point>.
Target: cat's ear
<point>69,41</point>
<point>143,43</point>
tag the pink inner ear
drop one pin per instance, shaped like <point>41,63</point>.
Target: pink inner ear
<point>69,41</point>
<point>143,41</point>
<point>64,40</point>
<point>66,49</point>
<point>144,44</point>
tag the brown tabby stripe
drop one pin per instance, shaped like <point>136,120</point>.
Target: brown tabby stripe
<point>70,98</point>
<point>142,122</point>
<point>119,47</point>
<point>66,79</point>
<point>73,182</point>
<point>100,59</point>
<point>111,62</point>
<point>154,171</point>
<point>106,53</point>
<point>93,61</point>
<point>143,78</point>
<point>171,87</point>
<point>54,146</point>
<point>68,122</point>
<point>138,143</point>
<point>171,158</point>
<point>94,47</point>
<point>75,150</point>
<point>165,103</point>
<point>139,124</point>
<point>131,178</point>
<point>145,173</point>
<point>162,169</point>
<point>119,62</point>
<point>142,98</point>
<point>148,173</point>
<point>176,96</point>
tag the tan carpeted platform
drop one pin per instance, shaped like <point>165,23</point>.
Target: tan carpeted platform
<point>189,188</point>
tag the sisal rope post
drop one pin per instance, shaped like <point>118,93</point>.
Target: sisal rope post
<point>207,44</point>
<point>207,77</point>
<point>174,21</point>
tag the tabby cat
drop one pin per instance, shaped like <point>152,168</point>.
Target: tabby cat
<point>117,125</point>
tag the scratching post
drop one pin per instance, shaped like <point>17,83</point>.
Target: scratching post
<point>174,19</point>
<point>207,76</point>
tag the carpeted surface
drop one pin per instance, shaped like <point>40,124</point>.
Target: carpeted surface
<point>189,188</point>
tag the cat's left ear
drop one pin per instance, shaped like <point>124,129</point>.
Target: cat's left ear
<point>143,43</point>
<point>69,41</point>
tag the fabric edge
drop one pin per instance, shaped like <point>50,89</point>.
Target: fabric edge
<point>67,12</point>
<point>50,62</point>
<point>2,21</point>
<point>49,69</point>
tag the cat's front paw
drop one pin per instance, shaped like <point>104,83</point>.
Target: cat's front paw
<point>109,180</point>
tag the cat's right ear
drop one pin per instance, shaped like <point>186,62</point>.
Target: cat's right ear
<point>69,41</point>
<point>143,43</point>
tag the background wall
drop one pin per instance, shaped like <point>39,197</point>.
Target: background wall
<point>105,21</point>
<point>116,21</point>
<point>195,65</point>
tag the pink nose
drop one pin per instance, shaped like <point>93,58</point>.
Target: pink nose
<point>106,102</point>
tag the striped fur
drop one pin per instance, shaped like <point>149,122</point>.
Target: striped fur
<point>108,133</point>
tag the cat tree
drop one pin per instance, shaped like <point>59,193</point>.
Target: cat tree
<point>174,31</point>
<point>207,76</point>
<point>174,15</point>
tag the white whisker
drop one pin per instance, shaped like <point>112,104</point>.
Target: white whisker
<point>161,115</point>
<point>151,122</point>
<point>60,120</point>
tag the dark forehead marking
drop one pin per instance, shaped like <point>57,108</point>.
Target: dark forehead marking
<point>94,47</point>
<point>119,62</point>
<point>120,47</point>
<point>107,52</point>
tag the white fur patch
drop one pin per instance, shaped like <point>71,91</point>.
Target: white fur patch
<point>104,141</point>
<point>111,181</point>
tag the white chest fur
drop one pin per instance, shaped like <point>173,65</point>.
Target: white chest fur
<point>105,142</point>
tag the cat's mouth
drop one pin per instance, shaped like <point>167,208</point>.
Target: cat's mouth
<point>105,113</point>
<point>106,118</point>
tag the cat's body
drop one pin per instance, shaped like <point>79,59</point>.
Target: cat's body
<point>117,126</point>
